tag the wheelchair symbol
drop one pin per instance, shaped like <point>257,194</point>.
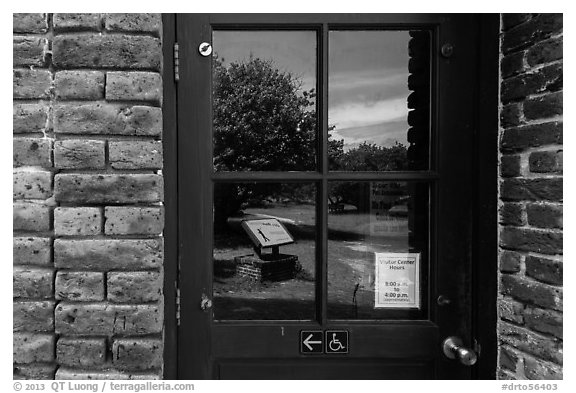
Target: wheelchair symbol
<point>335,344</point>
<point>336,341</point>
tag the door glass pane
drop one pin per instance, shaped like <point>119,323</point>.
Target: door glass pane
<point>264,100</point>
<point>379,100</point>
<point>264,251</point>
<point>377,249</point>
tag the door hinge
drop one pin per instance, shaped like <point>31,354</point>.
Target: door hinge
<point>176,62</point>
<point>177,306</point>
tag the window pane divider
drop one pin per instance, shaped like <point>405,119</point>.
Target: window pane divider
<point>330,176</point>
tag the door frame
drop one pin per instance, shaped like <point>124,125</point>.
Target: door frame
<point>484,244</point>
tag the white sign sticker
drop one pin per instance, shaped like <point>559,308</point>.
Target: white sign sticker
<point>268,232</point>
<point>397,280</point>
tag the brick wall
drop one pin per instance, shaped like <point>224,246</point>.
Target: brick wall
<point>530,300</point>
<point>88,193</point>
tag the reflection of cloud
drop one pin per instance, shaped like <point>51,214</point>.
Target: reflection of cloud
<point>359,114</point>
<point>380,78</point>
<point>383,134</point>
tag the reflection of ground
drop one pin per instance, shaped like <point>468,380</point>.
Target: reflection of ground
<point>350,268</point>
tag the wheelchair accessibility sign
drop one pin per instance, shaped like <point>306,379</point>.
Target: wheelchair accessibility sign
<point>336,341</point>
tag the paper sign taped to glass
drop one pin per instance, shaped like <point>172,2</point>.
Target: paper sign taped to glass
<point>397,280</point>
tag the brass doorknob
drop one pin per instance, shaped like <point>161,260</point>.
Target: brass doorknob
<point>453,347</point>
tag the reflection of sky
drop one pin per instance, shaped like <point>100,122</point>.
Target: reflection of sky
<point>368,73</point>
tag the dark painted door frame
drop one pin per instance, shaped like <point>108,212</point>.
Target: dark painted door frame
<point>484,244</point>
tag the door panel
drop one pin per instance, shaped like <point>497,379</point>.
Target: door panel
<point>428,214</point>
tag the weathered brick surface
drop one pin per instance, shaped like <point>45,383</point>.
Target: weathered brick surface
<point>523,137</point>
<point>536,344</point>
<point>511,310</point>
<point>510,115</point>
<point>536,369</point>
<point>532,190</point>
<point>32,251</point>
<point>545,79</point>
<point>541,107</point>
<point>30,217</point>
<point>79,85</point>
<point>65,373</point>
<point>33,316</point>
<point>135,154</point>
<point>545,215</point>
<point>527,239</point>
<point>34,371</point>
<point>126,220</point>
<point>104,255</point>
<point>150,23</point>
<point>79,286</point>
<point>31,184</point>
<point>510,261</point>
<point>512,214</point>
<point>81,352</point>
<point>106,51</point>
<point>29,118</point>
<point>545,52</point>
<point>79,154</point>
<point>510,166</point>
<point>77,22</point>
<point>78,221</point>
<point>535,29</point>
<point>546,161</point>
<point>134,287</point>
<point>137,353</point>
<point>29,23</point>
<point>31,83</point>
<point>108,188</point>
<point>30,348</point>
<point>508,359</point>
<point>544,269</point>
<point>32,152</point>
<point>108,319</point>
<point>532,292</point>
<point>133,86</point>
<point>107,119</point>
<point>29,51</point>
<point>544,321</point>
<point>32,282</point>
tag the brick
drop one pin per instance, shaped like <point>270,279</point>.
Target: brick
<point>30,217</point>
<point>30,348</point>
<point>537,369</point>
<point>133,86</point>
<point>134,287</point>
<point>504,375</point>
<point>107,119</point>
<point>511,310</point>
<point>527,239</point>
<point>531,292</point>
<point>64,373</point>
<point>32,283</point>
<point>544,215</point>
<point>29,118</point>
<point>33,316</point>
<point>34,371</point>
<point>510,166</point>
<point>77,221</point>
<point>31,184</point>
<point>548,78</point>
<point>546,161</point>
<point>533,343</point>
<point>545,52</point>
<point>532,189</point>
<point>29,23</point>
<point>32,251</point>
<point>546,270</point>
<point>543,107</point>
<point>511,20</point>
<point>137,353</point>
<point>512,64</point>
<point>107,319</point>
<point>79,286</point>
<point>510,115</point>
<point>544,321</point>
<point>108,188</point>
<point>128,220</point>
<point>108,254</point>
<point>106,51</point>
<point>507,359</point>
<point>31,84</point>
<point>81,352</point>
<point>536,29</point>
<point>29,51</point>
<point>79,85</point>
<point>79,154</point>
<point>63,22</point>
<point>32,152</point>
<point>512,214</point>
<point>510,261</point>
<point>135,154</point>
<point>149,23</point>
<point>520,138</point>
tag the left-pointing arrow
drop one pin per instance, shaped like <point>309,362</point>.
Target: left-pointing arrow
<point>308,341</point>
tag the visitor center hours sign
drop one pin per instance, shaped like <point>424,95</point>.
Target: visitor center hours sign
<point>397,280</point>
